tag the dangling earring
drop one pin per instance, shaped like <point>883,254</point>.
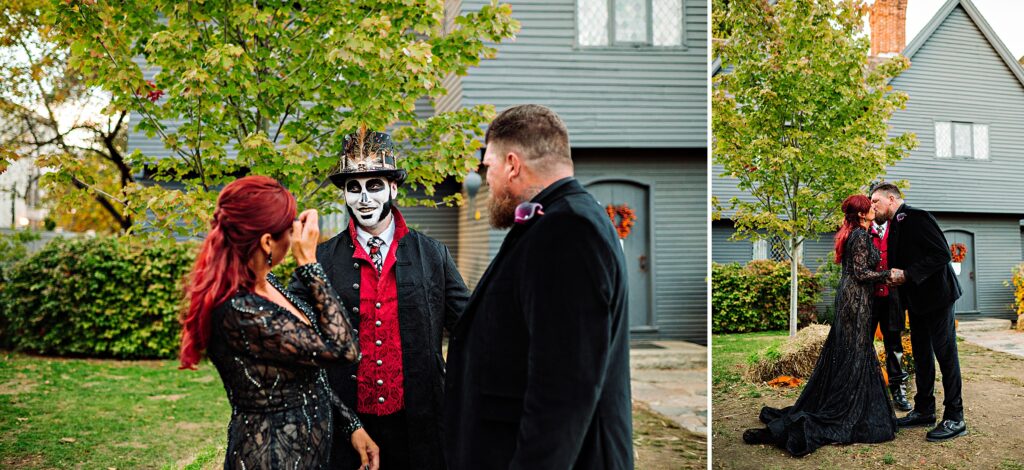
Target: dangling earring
<point>270,260</point>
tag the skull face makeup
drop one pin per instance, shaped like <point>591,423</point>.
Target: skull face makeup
<point>369,199</point>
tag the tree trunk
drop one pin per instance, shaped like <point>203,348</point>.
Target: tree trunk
<point>794,282</point>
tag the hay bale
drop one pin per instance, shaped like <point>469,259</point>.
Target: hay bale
<point>796,357</point>
<point>1020,322</point>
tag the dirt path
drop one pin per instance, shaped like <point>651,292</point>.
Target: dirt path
<point>662,444</point>
<point>994,401</point>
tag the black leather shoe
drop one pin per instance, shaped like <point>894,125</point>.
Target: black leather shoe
<point>946,430</point>
<point>899,398</point>
<point>915,419</point>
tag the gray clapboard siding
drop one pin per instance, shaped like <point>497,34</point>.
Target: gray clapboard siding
<point>436,222</point>
<point>478,242</point>
<point>608,97</point>
<point>727,251</point>
<point>957,75</point>
<point>996,253</point>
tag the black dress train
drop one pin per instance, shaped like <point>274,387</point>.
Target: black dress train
<point>271,365</point>
<point>845,400</point>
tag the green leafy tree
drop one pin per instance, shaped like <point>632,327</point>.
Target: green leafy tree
<point>273,87</point>
<point>800,117</point>
<point>48,113</point>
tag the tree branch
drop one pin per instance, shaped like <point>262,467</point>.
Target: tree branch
<point>101,199</point>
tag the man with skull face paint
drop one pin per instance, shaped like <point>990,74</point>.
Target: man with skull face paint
<point>403,290</point>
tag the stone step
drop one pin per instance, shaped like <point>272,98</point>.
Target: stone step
<point>983,324</point>
<point>667,355</point>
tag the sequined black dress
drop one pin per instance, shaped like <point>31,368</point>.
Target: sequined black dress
<point>845,399</point>
<point>271,365</point>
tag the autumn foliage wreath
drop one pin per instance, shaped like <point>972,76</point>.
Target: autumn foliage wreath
<point>959,252</point>
<point>622,218</point>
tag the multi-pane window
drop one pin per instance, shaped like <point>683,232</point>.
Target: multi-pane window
<point>961,139</point>
<point>629,23</point>
<point>774,249</point>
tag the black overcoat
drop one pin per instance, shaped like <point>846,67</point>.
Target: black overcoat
<point>918,247</point>
<point>538,366</point>
<point>431,297</point>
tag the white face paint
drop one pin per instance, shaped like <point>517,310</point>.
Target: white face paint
<point>367,198</point>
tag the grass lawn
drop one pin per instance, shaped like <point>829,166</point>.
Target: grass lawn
<point>731,354</point>
<point>993,387</point>
<point>87,413</point>
<point>84,413</point>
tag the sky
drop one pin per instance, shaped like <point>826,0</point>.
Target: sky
<point>1004,16</point>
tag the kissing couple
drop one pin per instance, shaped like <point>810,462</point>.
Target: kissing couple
<point>885,247</point>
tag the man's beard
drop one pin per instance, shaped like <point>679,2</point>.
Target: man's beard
<point>882,217</point>
<point>365,224</point>
<point>501,208</point>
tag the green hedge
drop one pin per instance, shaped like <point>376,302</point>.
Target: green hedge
<point>755,297</point>
<point>98,297</point>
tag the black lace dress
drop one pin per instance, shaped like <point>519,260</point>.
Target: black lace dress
<point>271,365</point>
<point>845,399</point>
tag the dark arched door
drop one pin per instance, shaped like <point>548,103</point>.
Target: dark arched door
<point>967,275</point>
<point>636,246</point>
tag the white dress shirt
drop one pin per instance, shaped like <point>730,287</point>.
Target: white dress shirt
<point>388,235</point>
<point>881,228</point>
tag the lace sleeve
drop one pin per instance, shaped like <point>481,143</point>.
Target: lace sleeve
<point>267,331</point>
<point>860,255</point>
<point>347,419</point>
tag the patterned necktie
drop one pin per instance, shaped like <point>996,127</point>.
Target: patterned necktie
<point>375,243</point>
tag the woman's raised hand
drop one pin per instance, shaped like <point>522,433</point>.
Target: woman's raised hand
<point>305,235</point>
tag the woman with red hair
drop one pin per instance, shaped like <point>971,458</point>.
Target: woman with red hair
<point>845,400</point>
<point>269,346</point>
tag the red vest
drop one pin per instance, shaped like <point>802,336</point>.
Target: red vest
<point>380,389</point>
<point>882,243</point>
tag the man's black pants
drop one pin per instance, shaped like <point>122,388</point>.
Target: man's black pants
<point>933,337</point>
<point>892,340</point>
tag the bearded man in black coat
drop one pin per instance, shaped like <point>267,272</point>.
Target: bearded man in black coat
<point>929,289</point>
<point>538,365</point>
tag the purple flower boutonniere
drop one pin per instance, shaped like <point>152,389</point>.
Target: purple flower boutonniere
<point>527,210</point>
<point>900,217</point>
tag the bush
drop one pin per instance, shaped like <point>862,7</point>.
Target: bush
<point>1018,295</point>
<point>13,250</point>
<point>908,355</point>
<point>100,297</point>
<point>755,297</point>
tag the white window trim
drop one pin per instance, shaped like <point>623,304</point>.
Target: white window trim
<point>760,249</point>
<point>974,125</point>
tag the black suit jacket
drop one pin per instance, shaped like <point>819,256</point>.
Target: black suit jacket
<point>431,297</point>
<point>918,247</point>
<point>539,363</point>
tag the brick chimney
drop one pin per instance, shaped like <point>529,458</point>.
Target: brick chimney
<point>888,20</point>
